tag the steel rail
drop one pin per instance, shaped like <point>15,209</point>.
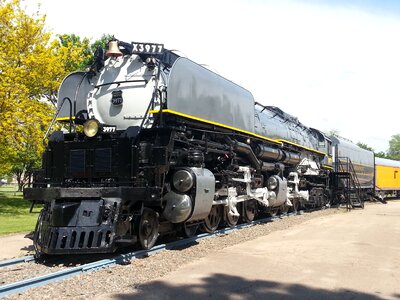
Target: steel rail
<point>23,285</point>
<point>14,261</point>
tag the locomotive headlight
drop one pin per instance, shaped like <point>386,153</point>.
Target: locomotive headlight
<point>91,127</point>
<point>272,183</point>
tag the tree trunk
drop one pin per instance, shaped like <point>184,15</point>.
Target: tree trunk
<point>19,181</point>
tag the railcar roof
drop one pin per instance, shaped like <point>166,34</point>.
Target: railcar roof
<point>348,144</point>
<point>387,162</point>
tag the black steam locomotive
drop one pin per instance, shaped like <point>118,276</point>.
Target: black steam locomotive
<point>154,143</point>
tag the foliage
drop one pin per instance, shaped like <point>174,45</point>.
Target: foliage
<point>77,54</point>
<point>365,146</point>
<point>333,132</point>
<point>72,52</point>
<point>31,68</point>
<point>25,69</point>
<point>381,154</point>
<point>14,212</point>
<point>100,43</point>
<point>394,147</point>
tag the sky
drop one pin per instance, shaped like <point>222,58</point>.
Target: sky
<point>334,64</point>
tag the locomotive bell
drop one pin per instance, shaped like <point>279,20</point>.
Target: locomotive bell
<point>113,49</point>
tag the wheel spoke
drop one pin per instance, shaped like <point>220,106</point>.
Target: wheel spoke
<point>249,210</point>
<point>273,211</point>
<point>148,228</point>
<point>190,230</point>
<point>211,223</point>
<point>230,220</point>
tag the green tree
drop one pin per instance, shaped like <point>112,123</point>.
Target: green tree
<point>334,132</point>
<point>100,43</point>
<point>67,43</point>
<point>23,79</point>
<point>381,154</point>
<point>77,53</point>
<point>365,146</point>
<point>394,147</point>
<point>72,53</point>
<point>31,68</point>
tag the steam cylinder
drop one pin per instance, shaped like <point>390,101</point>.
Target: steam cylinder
<point>178,207</point>
<point>193,195</point>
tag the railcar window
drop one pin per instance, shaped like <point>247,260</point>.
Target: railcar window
<point>395,174</point>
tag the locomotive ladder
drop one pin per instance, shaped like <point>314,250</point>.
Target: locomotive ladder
<point>346,187</point>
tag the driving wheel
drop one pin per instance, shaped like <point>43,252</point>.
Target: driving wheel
<point>249,210</point>
<point>190,230</point>
<point>296,206</point>
<point>212,221</point>
<point>230,220</point>
<point>147,229</point>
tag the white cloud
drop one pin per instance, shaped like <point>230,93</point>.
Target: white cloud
<point>332,67</point>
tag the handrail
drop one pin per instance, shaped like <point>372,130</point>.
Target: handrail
<point>56,115</point>
<point>344,164</point>
<point>122,81</point>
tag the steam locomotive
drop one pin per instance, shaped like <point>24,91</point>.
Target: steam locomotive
<point>153,143</point>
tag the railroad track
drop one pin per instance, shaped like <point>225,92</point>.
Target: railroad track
<point>15,261</point>
<point>23,285</point>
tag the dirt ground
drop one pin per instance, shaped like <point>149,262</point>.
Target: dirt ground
<point>352,255</point>
<point>15,245</point>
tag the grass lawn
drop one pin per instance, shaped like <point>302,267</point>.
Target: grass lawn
<point>14,212</point>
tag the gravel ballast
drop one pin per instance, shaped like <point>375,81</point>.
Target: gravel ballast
<point>125,278</point>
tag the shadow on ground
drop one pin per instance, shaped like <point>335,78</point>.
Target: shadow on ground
<point>221,286</point>
<point>29,248</point>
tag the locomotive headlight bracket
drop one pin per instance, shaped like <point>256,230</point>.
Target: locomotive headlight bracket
<point>91,127</point>
<point>272,183</point>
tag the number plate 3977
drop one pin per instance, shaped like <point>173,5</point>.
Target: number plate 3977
<point>147,48</point>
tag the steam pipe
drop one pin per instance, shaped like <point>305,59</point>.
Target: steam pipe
<point>273,154</point>
<point>246,149</point>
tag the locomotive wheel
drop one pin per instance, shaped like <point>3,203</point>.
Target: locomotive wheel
<point>37,235</point>
<point>296,206</point>
<point>273,212</point>
<point>284,209</point>
<point>327,201</point>
<point>229,219</point>
<point>212,221</point>
<point>147,230</point>
<point>249,210</point>
<point>189,230</point>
